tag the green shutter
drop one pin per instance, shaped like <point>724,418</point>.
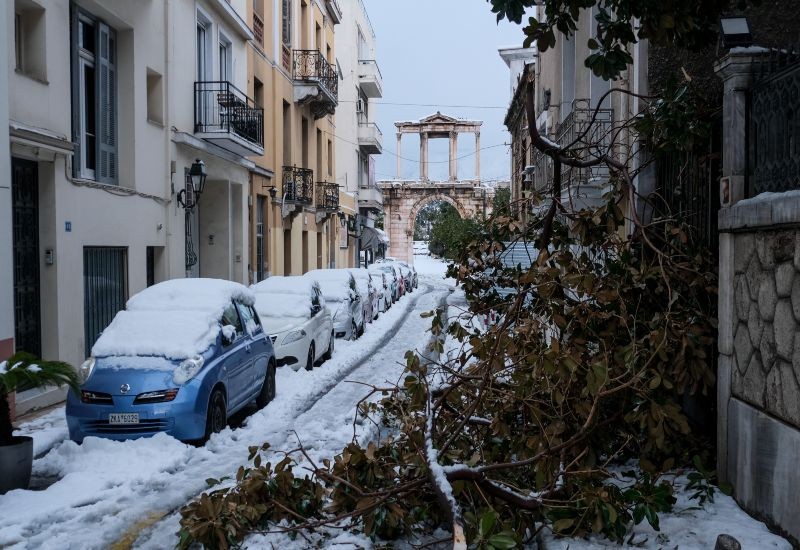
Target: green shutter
<point>75,87</point>
<point>106,171</point>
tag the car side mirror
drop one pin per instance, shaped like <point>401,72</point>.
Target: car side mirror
<point>315,309</point>
<point>228,335</point>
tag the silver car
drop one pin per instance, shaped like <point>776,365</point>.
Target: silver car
<point>342,298</point>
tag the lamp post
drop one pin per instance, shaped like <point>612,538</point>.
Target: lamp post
<point>735,32</point>
<point>188,199</point>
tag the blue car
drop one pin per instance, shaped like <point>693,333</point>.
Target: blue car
<point>181,358</point>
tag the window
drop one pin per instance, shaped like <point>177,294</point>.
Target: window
<point>202,47</point>
<point>363,51</point>
<point>286,26</point>
<point>287,251</point>
<point>231,318</point>
<point>155,97</point>
<point>94,108</point>
<point>29,39</point>
<point>260,253</point>
<point>258,93</point>
<point>251,322</point>
<point>224,60</point>
<point>330,158</point>
<point>287,134</point>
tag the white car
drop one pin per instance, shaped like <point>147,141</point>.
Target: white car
<point>294,314</point>
<point>383,282</point>
<point>369,293</point>
<point>341,295</point>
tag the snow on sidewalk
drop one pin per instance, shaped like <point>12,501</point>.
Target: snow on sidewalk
<point>105,487</point>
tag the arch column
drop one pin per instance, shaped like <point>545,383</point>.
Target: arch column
<point>399,160</point>
<point>453,155</point>
<point>423,156</point>
<point>478,156</point>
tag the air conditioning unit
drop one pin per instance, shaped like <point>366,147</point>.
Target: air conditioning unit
<point>360,107</point>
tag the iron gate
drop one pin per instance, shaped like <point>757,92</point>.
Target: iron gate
<point>25,215</point>
<point>105,288</point>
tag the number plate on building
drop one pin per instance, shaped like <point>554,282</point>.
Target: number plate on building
<point>123,418</point>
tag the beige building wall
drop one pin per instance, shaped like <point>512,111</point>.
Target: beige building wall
<point>270,82</point>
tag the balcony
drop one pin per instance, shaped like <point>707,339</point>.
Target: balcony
<point>370,138</point>
<point>316,82</point>
<point>225,116</point>
<point>298,185</point>
<point>370,197</point>
<point>327,196</point>
<point>370,78</point>
<point>335,11</point>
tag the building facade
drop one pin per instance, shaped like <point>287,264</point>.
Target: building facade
<point>295,205</point>
<point>358,136</point>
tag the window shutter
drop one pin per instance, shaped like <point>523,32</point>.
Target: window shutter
<point>75,86</point>
<point>107,104</point>
<point>287,22</point>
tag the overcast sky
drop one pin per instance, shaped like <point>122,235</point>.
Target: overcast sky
<point>437,53</point>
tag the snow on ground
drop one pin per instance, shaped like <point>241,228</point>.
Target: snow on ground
<point>105,488</point>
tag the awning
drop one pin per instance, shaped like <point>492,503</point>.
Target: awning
<point>372,237</point>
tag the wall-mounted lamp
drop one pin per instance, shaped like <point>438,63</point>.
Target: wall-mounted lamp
<point>735,32</point>
<point>196,181</point>
<point>527,174</point>
<point>273,192</point>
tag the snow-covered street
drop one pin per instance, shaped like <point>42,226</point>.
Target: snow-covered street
<point>103,492</point>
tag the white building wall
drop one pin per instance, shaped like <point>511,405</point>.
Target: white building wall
<point>6,237</point>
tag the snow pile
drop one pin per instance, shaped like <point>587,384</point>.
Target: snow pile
<point>280,306</point>
<point>175,319</point>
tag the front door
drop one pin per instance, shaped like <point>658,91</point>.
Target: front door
<point>25,216</point>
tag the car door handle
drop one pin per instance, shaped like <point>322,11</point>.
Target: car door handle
<point>247,348</point>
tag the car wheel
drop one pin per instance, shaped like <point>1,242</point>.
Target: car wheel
<point>353,331</point>
<point>217,415</point>
<point>267,393</point>
<point>361,330</point>
<point>310,360</point>
<point>329,353</point>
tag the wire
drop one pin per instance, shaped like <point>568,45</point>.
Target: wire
<point>419,161</point>
<point>428,105</point>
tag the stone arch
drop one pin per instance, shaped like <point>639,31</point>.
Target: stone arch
<point>426,200</point>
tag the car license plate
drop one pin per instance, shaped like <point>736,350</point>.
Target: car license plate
<point>123,418</point>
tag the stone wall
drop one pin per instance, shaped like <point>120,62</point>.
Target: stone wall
<point>759,361</point>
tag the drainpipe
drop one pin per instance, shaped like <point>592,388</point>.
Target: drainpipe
<point>167,130</point>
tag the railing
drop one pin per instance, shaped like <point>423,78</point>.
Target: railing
<point>370,63</point>
<point>774,126</point>
<point>591,139</point>
<point>327,196</point>
<point>311,66</point>
<point>258,29</point>
<point>298,184</point>
<point>221,107</point>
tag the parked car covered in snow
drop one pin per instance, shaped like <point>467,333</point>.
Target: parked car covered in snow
<point>181,358</point>
<point>369,293</point>
<point>393,277</point>
<point>342,298</point>
<point>294,314</point>
<point>383,282</point>
<point>406,272</point>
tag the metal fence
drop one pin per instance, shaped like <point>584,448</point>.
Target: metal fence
<point>774,124</point>
<point>221,107</point>
<point>327,196</point>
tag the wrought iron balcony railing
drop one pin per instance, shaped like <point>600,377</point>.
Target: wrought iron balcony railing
<point>327,196</point>
<point>589,138</point>
<point>311,66</point>
<point>298,185</point>
<point>222,108</point>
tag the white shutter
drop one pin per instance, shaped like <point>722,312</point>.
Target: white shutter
<point>106,58</point>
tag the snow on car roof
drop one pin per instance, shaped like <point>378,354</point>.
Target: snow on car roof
<point>329,275</point>
<point>281,304</point>
<point>175,319</point>
<point>287,285</point>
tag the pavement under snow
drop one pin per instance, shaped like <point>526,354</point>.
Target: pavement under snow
<point>105,492</point>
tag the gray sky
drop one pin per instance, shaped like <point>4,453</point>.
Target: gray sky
<point>437,53</point>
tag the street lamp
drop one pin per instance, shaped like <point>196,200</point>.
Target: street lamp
<point>735,31</point>
<point>273,192</point>
<point>196,178</point>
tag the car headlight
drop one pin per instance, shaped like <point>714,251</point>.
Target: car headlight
<point>85,371</point>
<point>294,336</point>
<point>188,369</point>
<point>161,396</point>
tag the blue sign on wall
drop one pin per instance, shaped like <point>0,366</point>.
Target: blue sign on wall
<point>68,227</point>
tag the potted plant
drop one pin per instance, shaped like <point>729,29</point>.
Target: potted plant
<point>16,453</point>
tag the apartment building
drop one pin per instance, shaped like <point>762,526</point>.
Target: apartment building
<point>298,213</point>
<point>358,136</point>
<point>110,108</point>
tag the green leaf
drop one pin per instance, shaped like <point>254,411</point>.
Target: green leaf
<point>503,540</point>
<point>487,522</point>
